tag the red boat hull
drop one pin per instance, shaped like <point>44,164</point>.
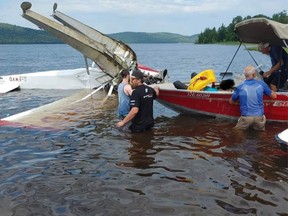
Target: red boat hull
<point>217,104</point>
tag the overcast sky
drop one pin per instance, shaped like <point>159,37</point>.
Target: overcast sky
<point>186,17</point>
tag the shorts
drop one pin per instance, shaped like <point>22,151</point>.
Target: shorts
<point>256,122</point>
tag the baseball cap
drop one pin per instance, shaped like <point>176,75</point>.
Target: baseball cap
<point>137,74</point>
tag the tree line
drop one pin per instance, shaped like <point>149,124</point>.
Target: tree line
<point>227,34</point>
<point>11,34</point>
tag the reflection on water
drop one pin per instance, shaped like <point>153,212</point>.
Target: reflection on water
<point>201,166</point>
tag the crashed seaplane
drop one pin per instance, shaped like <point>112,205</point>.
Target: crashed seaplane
<point>109,57</point>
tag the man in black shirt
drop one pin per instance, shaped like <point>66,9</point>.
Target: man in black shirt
<point>141,103</point>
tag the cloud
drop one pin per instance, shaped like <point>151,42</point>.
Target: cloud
<point>148,6</point>
<point>185,17</point>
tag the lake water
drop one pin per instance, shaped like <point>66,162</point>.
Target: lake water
<point>186,165</point>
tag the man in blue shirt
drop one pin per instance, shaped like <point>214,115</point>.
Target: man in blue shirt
<point>277,75</point>
<point>250,95</point>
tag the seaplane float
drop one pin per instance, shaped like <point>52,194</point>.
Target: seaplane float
<point>109,57</point>
<point>216,103</point>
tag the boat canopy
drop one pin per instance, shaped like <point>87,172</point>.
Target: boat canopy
<point>257,30</point>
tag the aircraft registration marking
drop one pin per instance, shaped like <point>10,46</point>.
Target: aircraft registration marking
<point>18,78</point>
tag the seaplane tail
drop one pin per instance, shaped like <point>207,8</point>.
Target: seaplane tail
<point>98,52</point>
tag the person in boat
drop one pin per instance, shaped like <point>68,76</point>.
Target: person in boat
<point>250,96</point>
<point>277,75</point>
<point>141,103</point>
<point>227,85</point>
<point>124,92</point>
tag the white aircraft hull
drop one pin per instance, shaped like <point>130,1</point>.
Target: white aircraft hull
<point>56,79</point>
<point>7,86</point>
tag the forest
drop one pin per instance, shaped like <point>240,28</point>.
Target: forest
<point>226,34</point>
<point>11,34</point>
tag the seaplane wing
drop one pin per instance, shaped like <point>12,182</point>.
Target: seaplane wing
<point>67,113</point>
<point>108,56</point>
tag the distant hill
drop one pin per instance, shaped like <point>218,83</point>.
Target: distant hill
<point>161,37</point>
<point>12,34</point>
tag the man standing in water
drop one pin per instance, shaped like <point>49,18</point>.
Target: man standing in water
<point>141,103</point>
<point>250,95</point>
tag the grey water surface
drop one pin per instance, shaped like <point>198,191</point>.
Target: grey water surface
<point>187,165</point>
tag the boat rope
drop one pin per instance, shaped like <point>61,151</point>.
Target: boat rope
<point>285,43</point>
<point>89,95</point>
<point>231,61</point>
<point>252,56</point>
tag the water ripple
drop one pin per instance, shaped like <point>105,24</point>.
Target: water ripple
<point>187,165</point>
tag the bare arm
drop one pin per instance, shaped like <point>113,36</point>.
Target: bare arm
<point>129,117</point>
<point>273,69</point>
<point>273,95</point>
<point>128,90</point>
<point>156,88</point>
<point>233,102</point>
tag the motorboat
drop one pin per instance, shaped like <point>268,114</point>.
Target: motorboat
<point>216,103</point>
<point>108,56</point>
